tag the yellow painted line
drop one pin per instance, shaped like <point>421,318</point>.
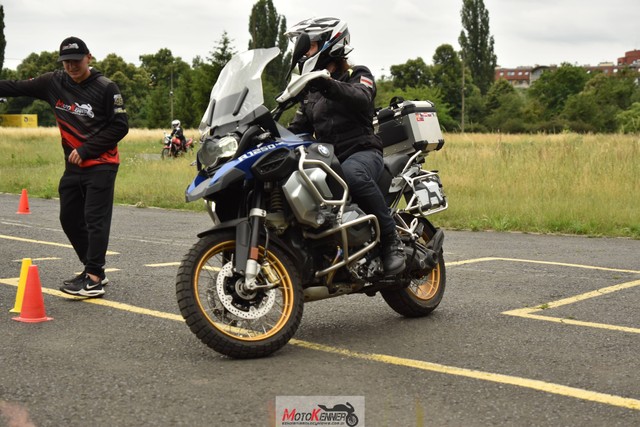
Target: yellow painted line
<point>528,312</point>
<point>106,270</point>
<point>558,389</point>
<point>530,261</point>
<point>592,294</point>
<point>42,242</point>
<point>577,393</point>
<point>163,264</point>
<point>177,264</point>
<point>564,264</point>
<point>470,261</point>
<point>103,302</point>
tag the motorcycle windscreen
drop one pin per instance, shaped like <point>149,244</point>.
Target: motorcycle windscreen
<point>238,90</point>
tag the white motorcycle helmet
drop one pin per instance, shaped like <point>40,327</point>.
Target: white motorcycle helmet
<point>332,35</point>
<point>175,124</point>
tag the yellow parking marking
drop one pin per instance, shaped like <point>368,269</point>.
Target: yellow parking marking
<point>528,312</point>
<point>177,264</point>
<point>530,261</point>
<point>106,270</point>
<point>607,399</point>
<point>543,386</point>
<point>547,387</point>
<point>163,264</point>
<point>102,302</point>
<point>42,242</point>
<point>470,261</point>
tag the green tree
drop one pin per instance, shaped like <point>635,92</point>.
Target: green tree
<point>206,74</point>
<point>164,71</point>
<point>477,43</point>
<point>413,73</point>
<point>496,92</point>
<point>37,64</point>
<point>3,41</point>
<point>596,108</point>
<point>267,29</point>
<point>508,113</point>
<point>554,87</point>
<point>133,83</point>
<point>475,109</point>
<point>186,110</point>
<point>447,76</point>
<point>629,120</point>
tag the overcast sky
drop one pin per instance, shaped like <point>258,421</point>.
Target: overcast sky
<point>383,33</point>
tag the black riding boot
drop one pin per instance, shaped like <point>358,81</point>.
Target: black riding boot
<point>393,260</point>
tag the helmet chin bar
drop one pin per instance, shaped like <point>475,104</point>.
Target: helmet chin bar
<point>309,64</point>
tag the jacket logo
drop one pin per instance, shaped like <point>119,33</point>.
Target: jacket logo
<point>77,109</point>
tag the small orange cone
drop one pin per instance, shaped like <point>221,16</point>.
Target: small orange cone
<point>22,283</point>
<point>23,207</point>
<point>33,304</point>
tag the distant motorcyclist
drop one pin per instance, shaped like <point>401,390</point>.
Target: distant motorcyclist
<point>178,133</point>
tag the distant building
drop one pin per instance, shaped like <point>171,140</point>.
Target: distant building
<point>524,76</point>
<point>629,58</point>
<point>518,77</point>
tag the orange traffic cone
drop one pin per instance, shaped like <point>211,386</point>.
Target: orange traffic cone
<point>33,303</point>
<point>23,207</point>
<point>22,284</point>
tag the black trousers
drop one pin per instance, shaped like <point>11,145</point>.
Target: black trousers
<point>86,206</point>
<point>361,171</point>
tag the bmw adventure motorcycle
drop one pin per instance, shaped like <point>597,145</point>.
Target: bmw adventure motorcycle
<point>285,230</point>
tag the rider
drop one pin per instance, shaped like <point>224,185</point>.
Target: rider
<point>179,134</point>
<point>339,111</point>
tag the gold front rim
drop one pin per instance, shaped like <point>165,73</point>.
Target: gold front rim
<point>211,306</point>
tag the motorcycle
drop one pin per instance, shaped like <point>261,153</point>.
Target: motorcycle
<point>285,229</point>
<point>172,147</point>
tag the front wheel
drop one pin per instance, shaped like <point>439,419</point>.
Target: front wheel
<point>423,294</point>
<point>165,153</point>
<point>223,314</point>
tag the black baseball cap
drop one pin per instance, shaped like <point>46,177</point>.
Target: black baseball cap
<point>72,48</point>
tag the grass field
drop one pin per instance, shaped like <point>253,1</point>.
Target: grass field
<point>567,183</point>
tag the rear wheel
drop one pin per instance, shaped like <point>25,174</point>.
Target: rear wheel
<point>423,294</point>
<point>226,317</point>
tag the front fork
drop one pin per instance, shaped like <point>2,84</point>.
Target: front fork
<point>247,245</point>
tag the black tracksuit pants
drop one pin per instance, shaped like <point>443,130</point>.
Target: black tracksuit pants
<point>86,206</point>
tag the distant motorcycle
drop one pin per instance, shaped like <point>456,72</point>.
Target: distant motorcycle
<point>172,147</point>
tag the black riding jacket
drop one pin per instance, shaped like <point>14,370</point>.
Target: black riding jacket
<point>340,112</point>
<point>91,115</point>
<point>178,133</point>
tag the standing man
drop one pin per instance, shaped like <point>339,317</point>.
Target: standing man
<point>92,120</point>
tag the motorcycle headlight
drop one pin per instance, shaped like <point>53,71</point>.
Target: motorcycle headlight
<point>215,149</point>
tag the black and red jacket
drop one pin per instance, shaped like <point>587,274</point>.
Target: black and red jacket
<point>91,115</point>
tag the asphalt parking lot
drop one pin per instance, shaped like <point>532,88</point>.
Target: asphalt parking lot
<point>533,330</point>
